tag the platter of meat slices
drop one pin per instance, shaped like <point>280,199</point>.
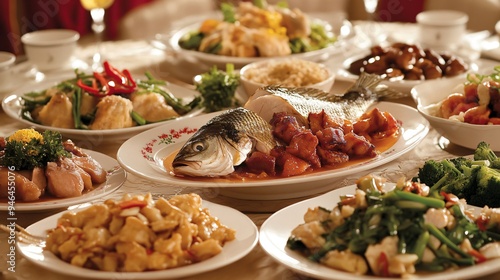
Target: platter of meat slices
<point>52,174</point>
<point>162,154</point>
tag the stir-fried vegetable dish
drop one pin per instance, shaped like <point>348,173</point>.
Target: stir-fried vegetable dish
<point>397,232</point>
<point>258,30</point>
<point>109,99</point>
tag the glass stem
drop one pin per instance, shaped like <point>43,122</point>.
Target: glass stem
<point>98,27</point>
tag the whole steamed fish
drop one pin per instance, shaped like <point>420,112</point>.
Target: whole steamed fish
<point>226,140</point>
<point>299,102</point>
<point>222,143</point>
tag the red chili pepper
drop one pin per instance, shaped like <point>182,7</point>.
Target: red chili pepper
<point>90,89</point>
<point>477,256</point>
<point>383,264</point>
<point>114,73</point>
<point>482,222</point>
<point>453,199</point>
<point>131,81</point>
<point>124,83</point>
<point>132,203</point>
<point>111,81</point>
<point>105,87</point>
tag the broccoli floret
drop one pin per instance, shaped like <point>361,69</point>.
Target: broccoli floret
<point>462,185</point>
<point>456,176</point>
<point>484,152</point>
<point>487,191</point>
<point>461,163</point>
<point>431,172</point>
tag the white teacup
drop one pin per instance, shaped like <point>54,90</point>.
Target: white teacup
<point>441,30</point>
<point>50,49</point>
<point>7,80</point>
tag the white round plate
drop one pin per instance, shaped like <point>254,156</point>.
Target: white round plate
<point>275,231</point>
<point>11,105</point>
<point>143,154</point>
<point>341,28</point>
<point>116,178</point>
<point>246,240</point>
<point>403,86</point>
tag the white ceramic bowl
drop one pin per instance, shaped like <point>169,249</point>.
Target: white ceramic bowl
<point>463,134</point>
<point>7,80</point>
<point>50,49</point>
<point>441,29</point>
<point>251,86</point>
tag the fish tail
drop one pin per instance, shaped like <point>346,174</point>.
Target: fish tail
<point>371,83</point>
<point>366,81</point>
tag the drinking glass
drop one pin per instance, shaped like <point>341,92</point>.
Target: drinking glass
<point>372,28</point>
<point>370,8</point>
<point>97,10</point>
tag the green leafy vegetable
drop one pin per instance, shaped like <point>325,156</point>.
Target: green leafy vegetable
<point>192,40</point>
<point>228,12</point>
<point>260,3</point>
<point>218,88</point>
<point>33,151</point>
<point>154,85</point>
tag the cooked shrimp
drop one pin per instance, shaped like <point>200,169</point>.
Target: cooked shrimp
<point>477,115</point>
<point>448,105</point>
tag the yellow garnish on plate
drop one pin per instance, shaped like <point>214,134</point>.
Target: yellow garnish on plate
<point>25,135</point>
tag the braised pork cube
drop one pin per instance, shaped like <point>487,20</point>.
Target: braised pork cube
<point>303,145</point>
<point>358,146</point>
<point>318,121</point>
<point>285,127</point>
<point>331,138</point>
<point>332,157</point>
<point>260,162</point>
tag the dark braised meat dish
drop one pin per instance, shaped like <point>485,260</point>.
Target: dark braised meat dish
<point>402,61</point>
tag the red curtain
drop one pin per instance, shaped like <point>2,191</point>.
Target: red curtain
<point>18,17</point>
<point>399,10</point>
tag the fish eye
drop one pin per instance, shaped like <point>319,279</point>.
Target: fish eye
<point>198,146</point>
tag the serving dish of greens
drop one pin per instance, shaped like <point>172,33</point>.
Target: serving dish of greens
<point>385,231</point>
<point>262,31</point>
<point>101,106</point>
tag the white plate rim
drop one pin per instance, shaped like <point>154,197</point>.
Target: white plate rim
<point>115,179</point>
<point>12,108</point>
<point>133,159</point>
<point>247,236</point>
<point>276,229</point>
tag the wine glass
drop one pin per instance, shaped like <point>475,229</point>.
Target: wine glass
<point>97,11</point>
<point>370,8</point>
<point>372,28</point>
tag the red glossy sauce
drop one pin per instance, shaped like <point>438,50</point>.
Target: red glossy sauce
<point>239,176</point>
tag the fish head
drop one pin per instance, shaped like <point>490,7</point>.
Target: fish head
<point>211,156</point>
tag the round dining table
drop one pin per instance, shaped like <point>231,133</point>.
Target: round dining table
<point>141,56</point>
